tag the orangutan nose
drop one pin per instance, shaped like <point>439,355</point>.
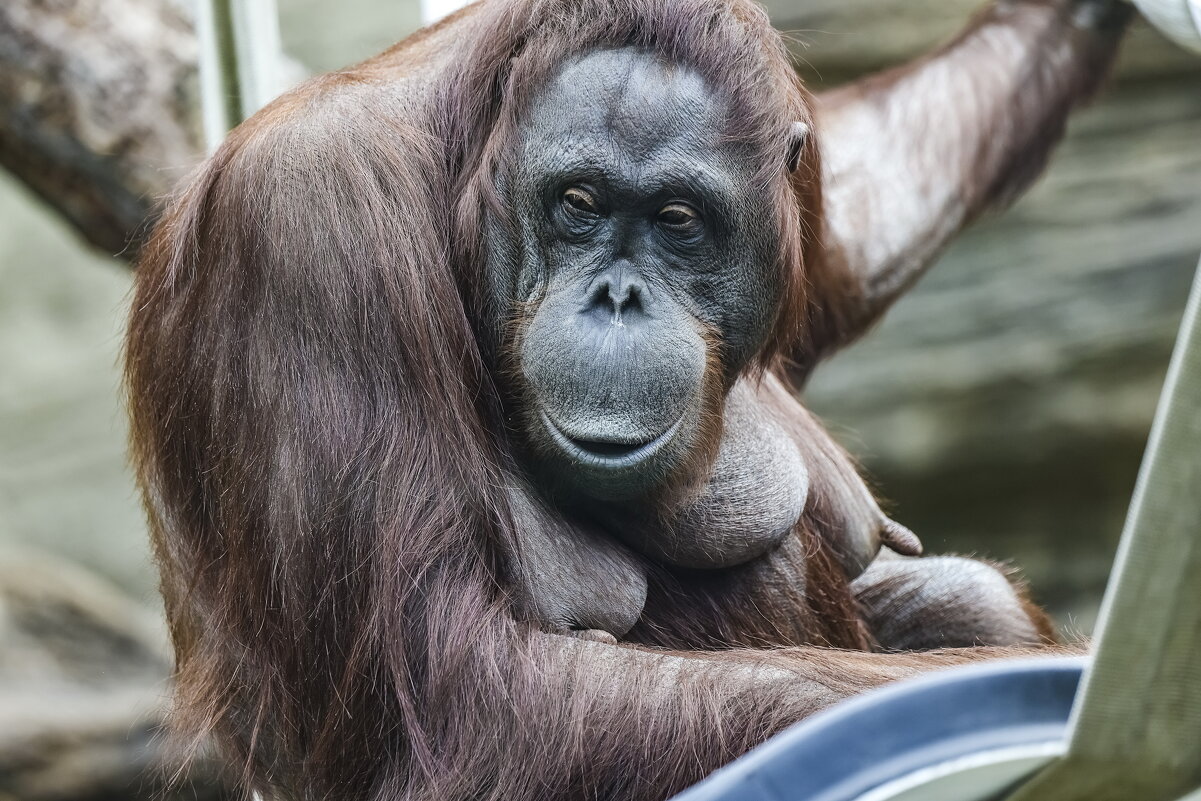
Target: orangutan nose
<point>618,298</point>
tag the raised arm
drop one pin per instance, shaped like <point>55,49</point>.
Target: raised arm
<point>914,154</point>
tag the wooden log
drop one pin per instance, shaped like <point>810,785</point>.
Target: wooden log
<point>98,108</point>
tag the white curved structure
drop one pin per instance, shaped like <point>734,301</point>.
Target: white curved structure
<point>434,10</point>
<point>1180,20</point>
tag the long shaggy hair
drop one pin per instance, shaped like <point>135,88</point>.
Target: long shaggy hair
<point>732,45</point>
<point>319,441</point>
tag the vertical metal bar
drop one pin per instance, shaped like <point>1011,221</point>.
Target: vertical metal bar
<point>240,55</point>
<point>219,101</point>
<point>256,39</point>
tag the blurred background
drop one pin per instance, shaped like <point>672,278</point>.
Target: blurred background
<point>1001,408</point>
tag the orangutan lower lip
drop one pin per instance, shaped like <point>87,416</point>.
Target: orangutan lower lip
<point>610,455</point>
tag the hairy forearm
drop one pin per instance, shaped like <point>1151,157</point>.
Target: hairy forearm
<point>914,154</point>
<point>641,723</point>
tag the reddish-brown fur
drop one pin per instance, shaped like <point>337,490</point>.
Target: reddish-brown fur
<point>323,457</point>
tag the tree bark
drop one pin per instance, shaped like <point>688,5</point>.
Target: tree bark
<point>99,109</point>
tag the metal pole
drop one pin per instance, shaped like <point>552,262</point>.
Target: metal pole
<point>240,55</point>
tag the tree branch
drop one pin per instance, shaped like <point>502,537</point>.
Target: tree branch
<point>99,110</point>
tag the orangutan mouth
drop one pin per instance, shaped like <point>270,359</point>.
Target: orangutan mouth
<point>608,453</point>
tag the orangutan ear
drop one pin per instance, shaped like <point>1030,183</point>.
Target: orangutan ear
<point>798,135</point>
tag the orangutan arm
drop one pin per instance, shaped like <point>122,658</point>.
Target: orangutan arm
<point>635,723</point>
<point>914,154</point>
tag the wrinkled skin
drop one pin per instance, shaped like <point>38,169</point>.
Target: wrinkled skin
<point>643,283</point>
<point>641,250</point>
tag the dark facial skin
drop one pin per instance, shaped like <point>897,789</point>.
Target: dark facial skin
<point>642,273</point>
<point>642,248</point>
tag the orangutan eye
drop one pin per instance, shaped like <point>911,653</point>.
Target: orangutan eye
<point>679,216</point>
<point>581,200</point>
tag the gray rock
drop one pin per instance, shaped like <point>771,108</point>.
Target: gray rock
<point>83,690</point>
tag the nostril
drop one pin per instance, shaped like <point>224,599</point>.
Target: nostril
<point>615,299</point>
<point>602,296</point>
